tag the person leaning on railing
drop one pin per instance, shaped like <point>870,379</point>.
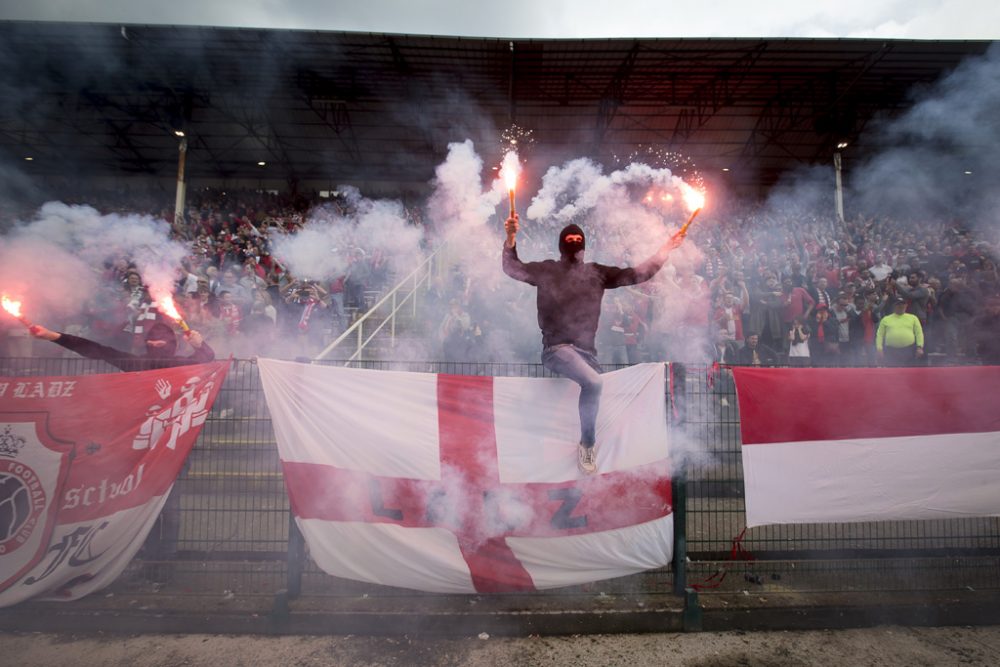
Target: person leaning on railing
<point>161,345</point>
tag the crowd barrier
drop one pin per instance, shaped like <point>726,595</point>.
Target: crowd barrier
<point>227,531</point>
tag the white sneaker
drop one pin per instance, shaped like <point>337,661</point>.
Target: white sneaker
<point>587,459</point>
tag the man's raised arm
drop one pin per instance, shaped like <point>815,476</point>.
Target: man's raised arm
<point>512,265</point>
<point>647,269</point>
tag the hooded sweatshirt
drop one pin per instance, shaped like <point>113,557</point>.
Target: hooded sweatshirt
<point>569,290</point>
<point>162,357</point>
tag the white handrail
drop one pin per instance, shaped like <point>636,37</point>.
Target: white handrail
<point>358,326</point>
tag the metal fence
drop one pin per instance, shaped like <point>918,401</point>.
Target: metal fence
<point>226,529</point>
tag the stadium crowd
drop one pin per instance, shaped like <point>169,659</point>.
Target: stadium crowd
<point>763,288</point>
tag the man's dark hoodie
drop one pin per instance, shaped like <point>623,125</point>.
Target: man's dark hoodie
<point>155,357</point>
<point>570,290</point>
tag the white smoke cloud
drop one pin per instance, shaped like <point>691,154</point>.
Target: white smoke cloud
<point>56,258</point>
<point>320,249</point>
<point>951,129</point>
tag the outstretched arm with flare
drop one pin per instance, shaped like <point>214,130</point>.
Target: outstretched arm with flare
<point>38,331</point>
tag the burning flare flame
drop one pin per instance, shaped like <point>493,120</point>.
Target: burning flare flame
<point>11,306</point>
<point>510,169</point>
<point>694,199</point>
<point>165,304</point>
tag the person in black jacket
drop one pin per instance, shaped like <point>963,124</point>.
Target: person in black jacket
<point>755,353</point>
<point>569,294</point>
<point>161,348</point>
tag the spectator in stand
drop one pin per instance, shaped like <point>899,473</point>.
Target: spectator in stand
<point>230,283</point>
<point>824,343</point>
<point>611,334</point>
<point>900,337</point>
<point>766,308</point>
<point>983,332</point>
<point>356,279</point>
<point>634,332</point>
<point>455,333</point>
<point>845,316</point>
<point>728,315</point>
<point>819,294</point>
<point>229,313</point>
<point>214,284</point>
<point>307,298</point>
<point>798,343</point>
<point>869,310</point>
<point>797,302</point>
<point>755,353</point>
<point>957,308</point>
<point>917,295</point>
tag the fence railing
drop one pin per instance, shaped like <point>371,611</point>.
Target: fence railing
<point>226,529</point>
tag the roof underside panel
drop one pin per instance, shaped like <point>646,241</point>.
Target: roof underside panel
<point>352,106</point>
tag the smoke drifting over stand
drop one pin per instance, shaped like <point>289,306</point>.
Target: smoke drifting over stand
<point>55,260</point>
<point>938,159</point>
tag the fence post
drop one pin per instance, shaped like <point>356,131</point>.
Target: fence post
<point>296,558</point>
<point>678,484</point>
<point>679,492</point>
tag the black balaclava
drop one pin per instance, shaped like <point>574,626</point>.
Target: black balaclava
<point>160,331</point>
<point>569,250</point>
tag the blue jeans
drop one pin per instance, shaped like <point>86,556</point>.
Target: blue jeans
<point>581,367</point>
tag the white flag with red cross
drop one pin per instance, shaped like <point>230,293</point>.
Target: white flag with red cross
<point>465,484</point>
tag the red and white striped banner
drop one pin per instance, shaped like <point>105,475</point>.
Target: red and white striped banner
<point>86,463</point>
<point>469,484</point>
<point>865,444</point>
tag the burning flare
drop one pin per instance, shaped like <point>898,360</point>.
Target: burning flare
<point>695,200</point>
<point>510,169</point>
<point>14,308</point>
<point>165,304</point>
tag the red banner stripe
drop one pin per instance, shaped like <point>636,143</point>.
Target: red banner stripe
<point>601,502</point>
<point>802,405</point>
<point>468,442</point>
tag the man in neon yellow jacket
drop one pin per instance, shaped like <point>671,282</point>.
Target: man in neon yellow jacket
<point>899,340</point>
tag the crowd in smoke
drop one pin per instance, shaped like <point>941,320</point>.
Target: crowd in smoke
<point>254,273</point>
<point>265,274</point>
<point>284,274</point>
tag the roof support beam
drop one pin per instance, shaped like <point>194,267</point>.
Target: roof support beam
<point>614,95</point>
<point>713,95</point>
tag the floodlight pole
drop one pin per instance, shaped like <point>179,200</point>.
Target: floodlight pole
<point>839,194</point>
<point>181,187</point>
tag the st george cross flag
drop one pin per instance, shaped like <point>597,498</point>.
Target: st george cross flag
<point>462,484</point>
<point>868,444</point>
<point>86,463</point>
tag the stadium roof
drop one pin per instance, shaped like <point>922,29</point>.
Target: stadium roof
<point>106,99</point>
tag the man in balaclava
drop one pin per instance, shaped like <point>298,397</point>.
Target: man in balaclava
<point>569,293</point>
<point>161,347</point>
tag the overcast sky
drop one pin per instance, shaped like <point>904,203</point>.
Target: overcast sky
<point>904,19</point>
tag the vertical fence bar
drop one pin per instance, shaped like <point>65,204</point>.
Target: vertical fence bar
<point>679,492</point>
<point>675,405</point>
<point>296,558</point>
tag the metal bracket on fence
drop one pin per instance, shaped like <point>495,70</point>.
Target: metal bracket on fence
<point>691,618</point>
<point>296,559</point>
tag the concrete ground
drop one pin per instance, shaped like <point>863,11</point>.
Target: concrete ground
<point>887,646</point>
